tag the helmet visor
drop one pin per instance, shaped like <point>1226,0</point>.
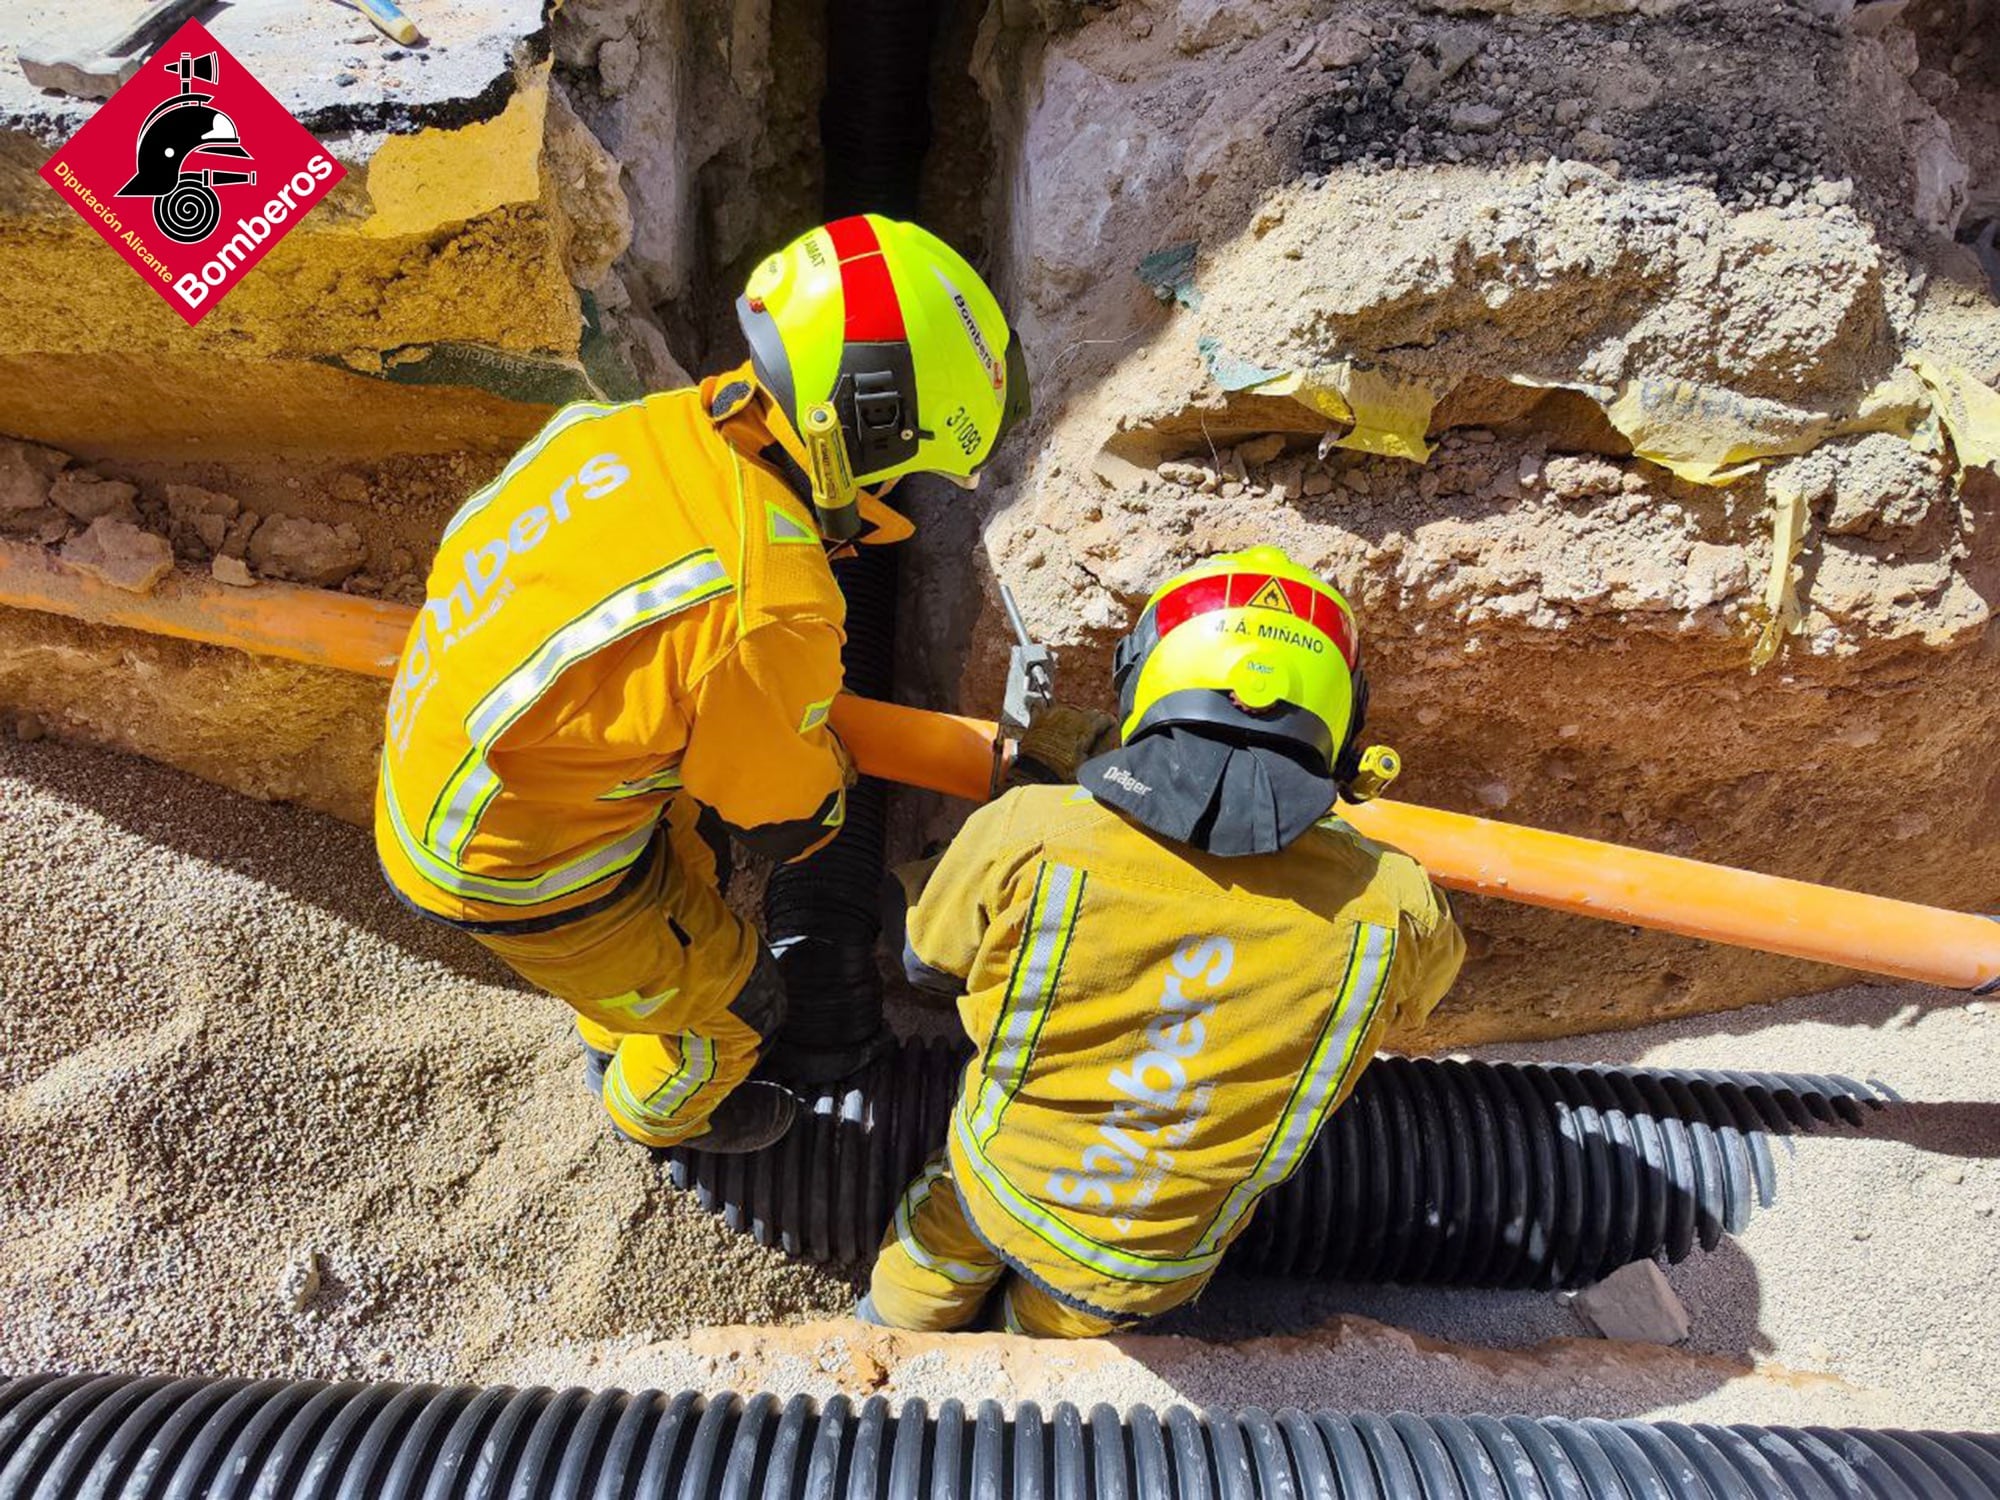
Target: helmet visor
<point>1020,404</point>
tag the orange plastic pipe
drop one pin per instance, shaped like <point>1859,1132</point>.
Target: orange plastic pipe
<point>959,756</point>
<point>1611,882</point>
<point>315,626</point>
<point>1669,894</point>
<point>939,752</point>
<point>936,751</point>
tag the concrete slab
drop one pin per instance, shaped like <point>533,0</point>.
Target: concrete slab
<point>322,59</point>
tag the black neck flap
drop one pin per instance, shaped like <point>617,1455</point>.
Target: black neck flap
<point>1227,800</point>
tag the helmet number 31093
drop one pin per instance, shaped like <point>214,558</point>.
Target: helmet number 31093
<point>192,171</point>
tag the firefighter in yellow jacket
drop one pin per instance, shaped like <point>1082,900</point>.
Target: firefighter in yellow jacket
<point>637,622</point>
<point>1173,972</point>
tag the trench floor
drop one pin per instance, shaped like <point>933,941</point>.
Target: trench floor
<point>256,1120</point>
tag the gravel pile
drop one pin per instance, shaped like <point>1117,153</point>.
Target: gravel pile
<point>255,1118</point>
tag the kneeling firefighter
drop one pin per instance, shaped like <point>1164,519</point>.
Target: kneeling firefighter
<point>1173,972</point>
<point>631,643</point>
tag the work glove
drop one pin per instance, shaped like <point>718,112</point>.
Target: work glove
<point>1059,739</point>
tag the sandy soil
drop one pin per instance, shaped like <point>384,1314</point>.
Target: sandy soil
<point>233,1064</point>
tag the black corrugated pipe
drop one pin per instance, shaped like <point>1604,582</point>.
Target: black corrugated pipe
<point>123,1438</point>
<point>1449,1173</point>
<point>821,916</point>
<point>875,117</point>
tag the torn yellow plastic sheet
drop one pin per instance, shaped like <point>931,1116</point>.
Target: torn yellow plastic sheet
<point>1783,614</point>
<point>1390,416</point>
<point>1970,411</point>
<point>1707,434</point>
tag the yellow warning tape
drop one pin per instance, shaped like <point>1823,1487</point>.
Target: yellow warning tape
<point>1783,614</point>
<point>1390,416</point>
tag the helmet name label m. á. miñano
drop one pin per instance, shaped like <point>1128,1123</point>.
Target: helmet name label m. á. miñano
<point>1250,626</point>
<point>1240,694</point>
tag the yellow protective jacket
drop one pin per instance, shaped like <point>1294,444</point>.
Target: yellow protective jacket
<point>1160,1032</point>
<point>638,605</point>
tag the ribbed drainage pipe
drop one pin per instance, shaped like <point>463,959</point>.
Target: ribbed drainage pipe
<point>1448,1173</point>
<point>823,914</point>
<point>122,1438</point>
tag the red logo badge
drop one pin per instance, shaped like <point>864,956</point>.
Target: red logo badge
<point>192,171</point>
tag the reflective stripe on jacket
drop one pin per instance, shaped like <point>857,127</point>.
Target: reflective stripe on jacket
<point>1161,1033</point>
<point>638,604</point>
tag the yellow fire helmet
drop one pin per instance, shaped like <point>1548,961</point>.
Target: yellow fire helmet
<point>1251,648</point>
<point>1242,695</point>
<point>888,355</point>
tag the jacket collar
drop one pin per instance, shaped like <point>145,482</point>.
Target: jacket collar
<point>748,420</point>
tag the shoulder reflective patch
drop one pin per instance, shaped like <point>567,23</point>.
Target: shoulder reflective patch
<point>1271,596</point>
<point>785,530</point>
<point>816,715</point>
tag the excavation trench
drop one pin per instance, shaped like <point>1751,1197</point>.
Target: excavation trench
<point>1461,1173</point>
<point>962,757</point>
<point>111,1437</point>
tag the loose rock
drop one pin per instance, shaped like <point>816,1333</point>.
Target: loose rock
<point>1261,450</point>
<point>27,471</point>
<point>232,571</point>
<point>85,496</point>
<point>1634,1302</point>
<point>121,554</point>
<point>303,551</point>
<point>299,1282</point>
<point>1342,45</point>
<point>199,519</point>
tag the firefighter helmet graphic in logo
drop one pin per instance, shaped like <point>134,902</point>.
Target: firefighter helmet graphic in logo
<point>184,202</point>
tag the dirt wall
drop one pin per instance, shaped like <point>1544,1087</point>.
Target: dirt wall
<point>269,729</point>
<point>1529,325</point>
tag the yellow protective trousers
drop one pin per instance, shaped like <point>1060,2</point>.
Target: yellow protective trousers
<point>935,1273</point>
<point>654,979</point>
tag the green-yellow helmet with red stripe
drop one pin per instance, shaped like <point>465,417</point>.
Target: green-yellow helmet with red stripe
<point>1250,648</point>
<point>890,326</point>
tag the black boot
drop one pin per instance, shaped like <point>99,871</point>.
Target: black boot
<point>810,1067</point>
<point>755,1115</point>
